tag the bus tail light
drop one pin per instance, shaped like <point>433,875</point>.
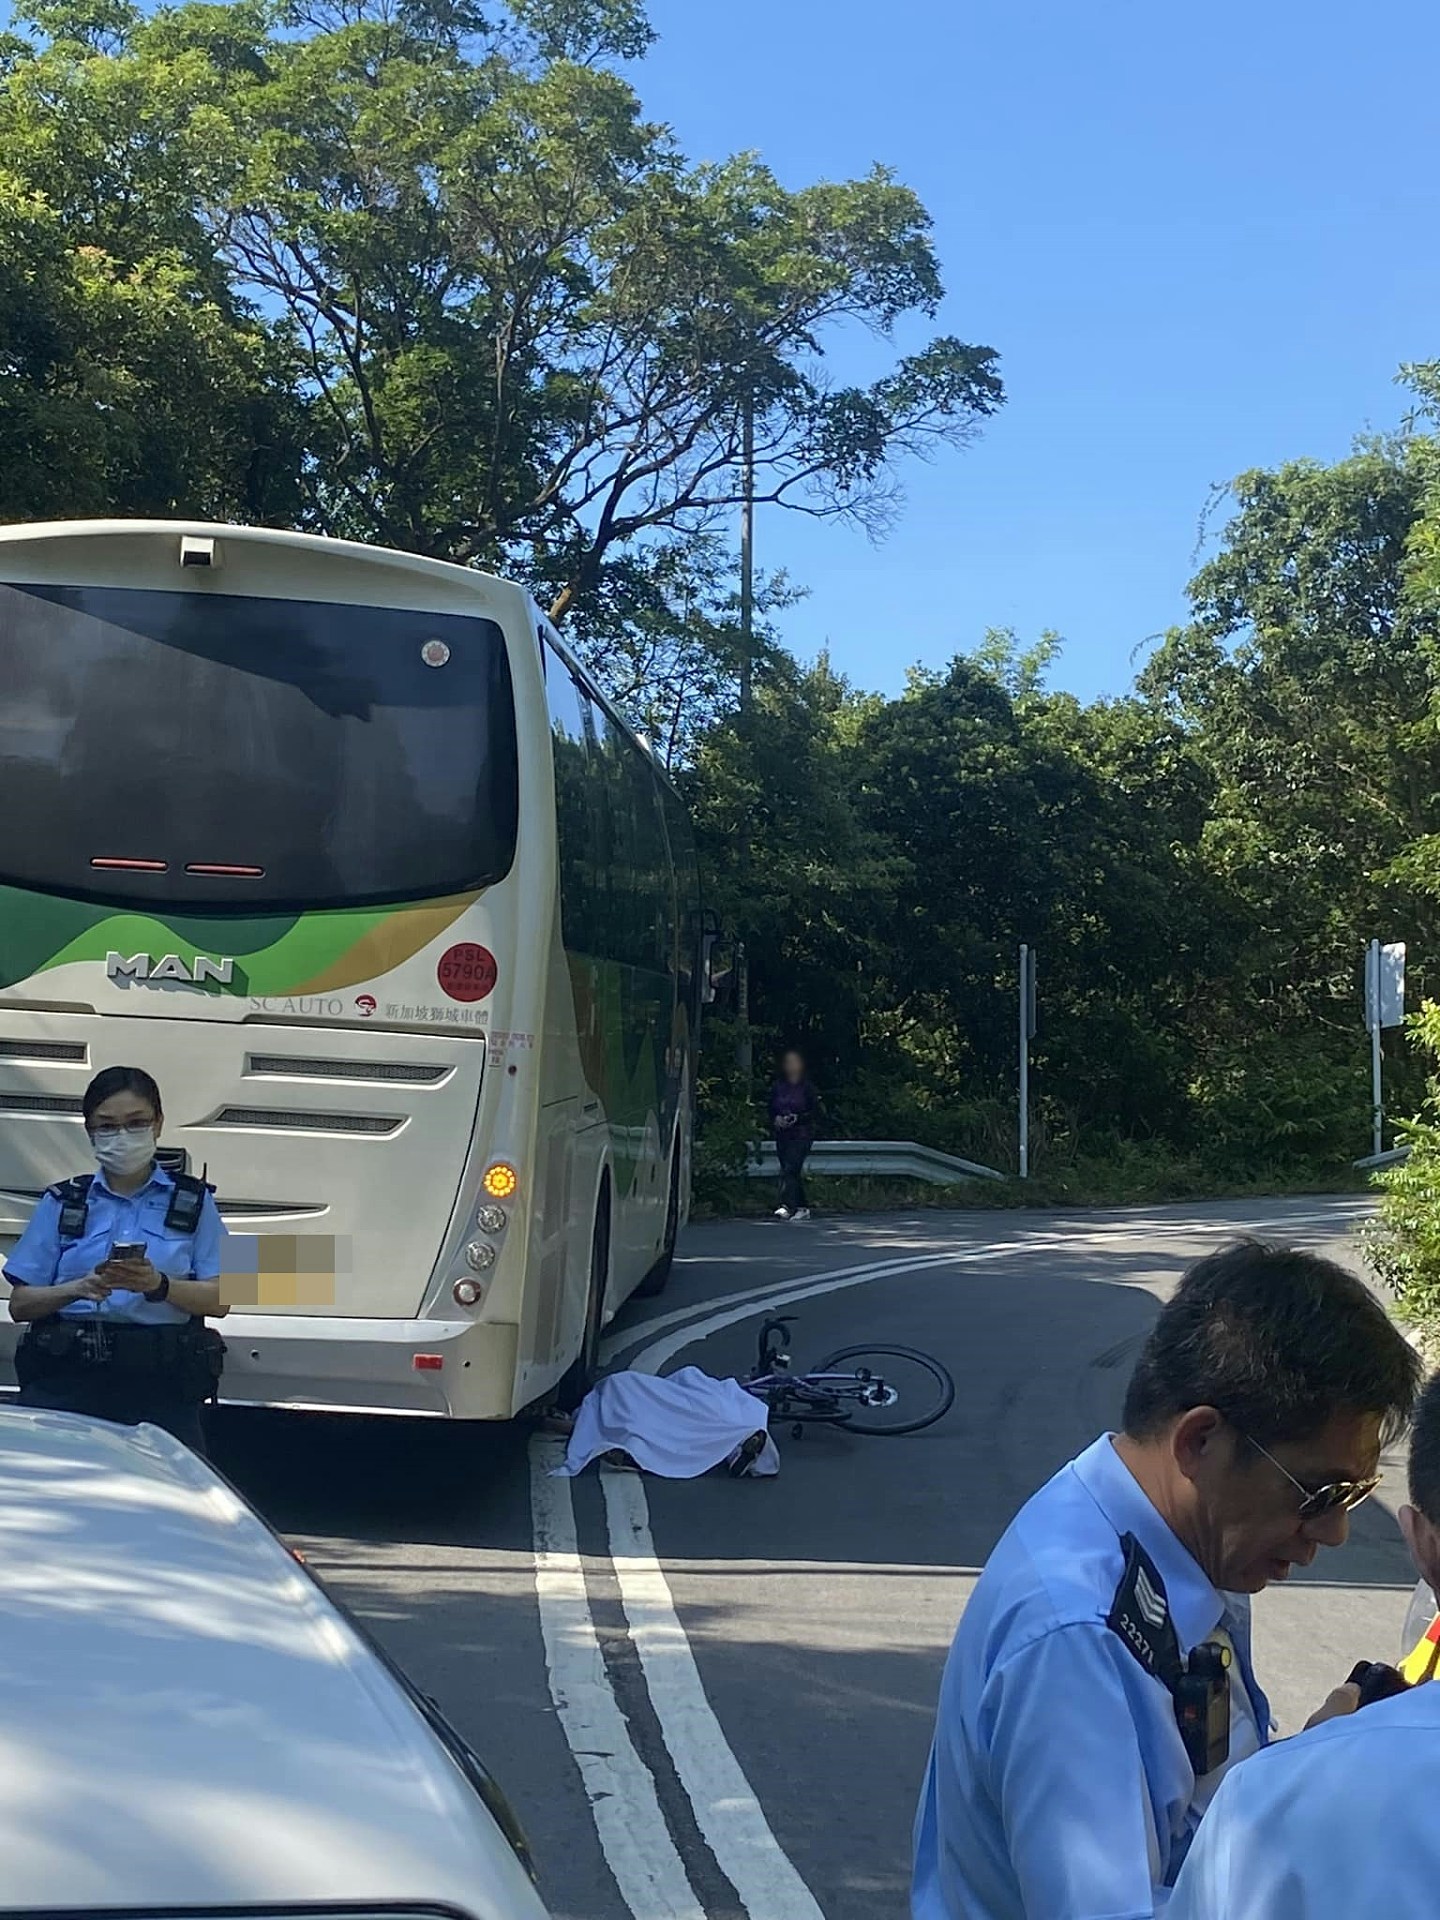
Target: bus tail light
<point>468,1293</point>
<point>490,1219</point>
<point>428,1362</point>
<point>479,1255</point>
<point>501,1180</point>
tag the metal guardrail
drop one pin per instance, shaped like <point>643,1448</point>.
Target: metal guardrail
<point>1392,1157</point>
<point>889,1159</point>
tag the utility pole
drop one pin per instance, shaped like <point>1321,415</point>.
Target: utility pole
<point>1377,1098</point>
<point>745,1048</point>
<point>747,553</point>
<point>1027,1034</point>
<point>1384,1007</point>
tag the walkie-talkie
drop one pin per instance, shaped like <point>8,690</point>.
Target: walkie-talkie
<point>1376,1681</point>
<point>1202,1707</point>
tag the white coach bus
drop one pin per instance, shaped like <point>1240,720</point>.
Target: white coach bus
<point>345,848</point>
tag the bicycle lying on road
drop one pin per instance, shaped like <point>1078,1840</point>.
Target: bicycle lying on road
<point>886,1390</point>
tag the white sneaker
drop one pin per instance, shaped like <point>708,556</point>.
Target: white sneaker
<point>802,1214</point>
<point>782,1213</point>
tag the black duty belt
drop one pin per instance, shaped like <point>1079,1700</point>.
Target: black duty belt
<point>98,1341</point>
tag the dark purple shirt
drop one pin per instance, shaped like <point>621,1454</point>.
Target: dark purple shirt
<point>796,1104</point>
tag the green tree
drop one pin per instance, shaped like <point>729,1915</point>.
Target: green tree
<point>1404,1241</point>
<point>447,290</point>
<point>787,859</point>
<point>131,379</point>
<point>1306,679</point>
<point>662,631</point>
<point>529,325</point>
<point>1306,683</point>
<point>1025,816</point>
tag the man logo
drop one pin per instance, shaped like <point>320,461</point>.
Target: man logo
<point>143,966</point>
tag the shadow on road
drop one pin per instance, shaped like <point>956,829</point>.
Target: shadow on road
<point>373,1479</point>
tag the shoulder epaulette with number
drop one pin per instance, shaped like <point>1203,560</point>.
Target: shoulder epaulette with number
<point>1140,1614</point>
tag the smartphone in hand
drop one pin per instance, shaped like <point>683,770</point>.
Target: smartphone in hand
<point>127,1251</point>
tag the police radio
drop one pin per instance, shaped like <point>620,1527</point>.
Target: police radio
<point>1202,1707</point>
<point>1376,1681</point>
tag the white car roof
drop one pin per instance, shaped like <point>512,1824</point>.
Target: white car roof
<point>185,1719</point>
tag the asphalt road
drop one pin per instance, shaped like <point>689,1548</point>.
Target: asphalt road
<point>712,1700</point>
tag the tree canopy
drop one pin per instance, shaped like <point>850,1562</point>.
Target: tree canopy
<point>1200,862</point>
<point>443,286</point>
<point>423,273</point>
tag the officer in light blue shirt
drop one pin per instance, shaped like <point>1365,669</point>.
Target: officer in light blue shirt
<point>1342,1823</point>
<point>1100,1683</point>
<point>1285,1839</point>
<point>115,1273</point>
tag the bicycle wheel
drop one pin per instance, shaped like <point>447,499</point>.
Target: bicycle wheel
<point>890,1389</point>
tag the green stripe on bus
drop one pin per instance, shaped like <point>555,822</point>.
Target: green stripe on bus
<point>274,953</point>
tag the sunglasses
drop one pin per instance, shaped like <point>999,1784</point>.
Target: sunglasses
<point>1336,1496</point>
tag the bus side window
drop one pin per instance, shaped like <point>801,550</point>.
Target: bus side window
<point>638,855</point>
<point>688,932</point>
<point>579,813</point>
<point>622,934</point>
<point>617,900</point>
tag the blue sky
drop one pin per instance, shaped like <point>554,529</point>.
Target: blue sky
<point>1202,239</point>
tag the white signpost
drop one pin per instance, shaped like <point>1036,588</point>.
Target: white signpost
<point>1027,1034</point>
<point>1384,1007</point>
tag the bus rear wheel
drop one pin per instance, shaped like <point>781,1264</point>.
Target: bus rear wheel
<point>658,1278</point>
<point>578,1381</point>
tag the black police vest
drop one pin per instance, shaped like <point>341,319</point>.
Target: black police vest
<point>182,1216</point>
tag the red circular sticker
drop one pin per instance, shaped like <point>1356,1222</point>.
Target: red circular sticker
<point>467,972</point>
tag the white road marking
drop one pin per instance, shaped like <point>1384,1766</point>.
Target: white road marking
<point>633,1834</point>
<point>617,1343</point>
<point>631,1825</point>
<point>726,1809</point>
<point>743,1306</point>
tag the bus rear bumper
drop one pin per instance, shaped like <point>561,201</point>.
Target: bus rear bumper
<point>369,1366</point>
<point>324,1364</point>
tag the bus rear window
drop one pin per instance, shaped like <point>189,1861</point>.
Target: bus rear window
<point>193,749</point>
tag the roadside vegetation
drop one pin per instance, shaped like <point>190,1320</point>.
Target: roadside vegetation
<point>427,275</point>
<point>1404,1241</point>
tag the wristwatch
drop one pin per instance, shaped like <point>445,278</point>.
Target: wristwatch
<point>162,1292</point>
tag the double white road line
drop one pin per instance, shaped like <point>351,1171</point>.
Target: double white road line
<point>639,1846</point>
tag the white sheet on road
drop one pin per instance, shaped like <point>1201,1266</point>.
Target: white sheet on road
<point>679,1425</point>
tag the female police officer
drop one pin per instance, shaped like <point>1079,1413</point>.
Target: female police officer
<point>114,1274</point>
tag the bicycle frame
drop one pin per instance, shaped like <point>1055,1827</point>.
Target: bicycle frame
<point>819,1395</point>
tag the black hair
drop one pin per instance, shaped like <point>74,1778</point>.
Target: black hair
<point>1425,1453</point>
<point>113,1080</point>
<point>1277,1340</point>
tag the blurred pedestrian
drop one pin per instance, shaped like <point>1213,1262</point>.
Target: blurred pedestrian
<point>1100,1684</point>
<point>1282,1841</point>
<point>115,1273</point>
<point>795,1113</point>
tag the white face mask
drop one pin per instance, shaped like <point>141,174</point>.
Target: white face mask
<point>123,1153</point>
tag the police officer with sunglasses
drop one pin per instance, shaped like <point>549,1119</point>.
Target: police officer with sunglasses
<point>1342,1822</point>
<point>115,1273</point>
<point>1100,1685</point>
